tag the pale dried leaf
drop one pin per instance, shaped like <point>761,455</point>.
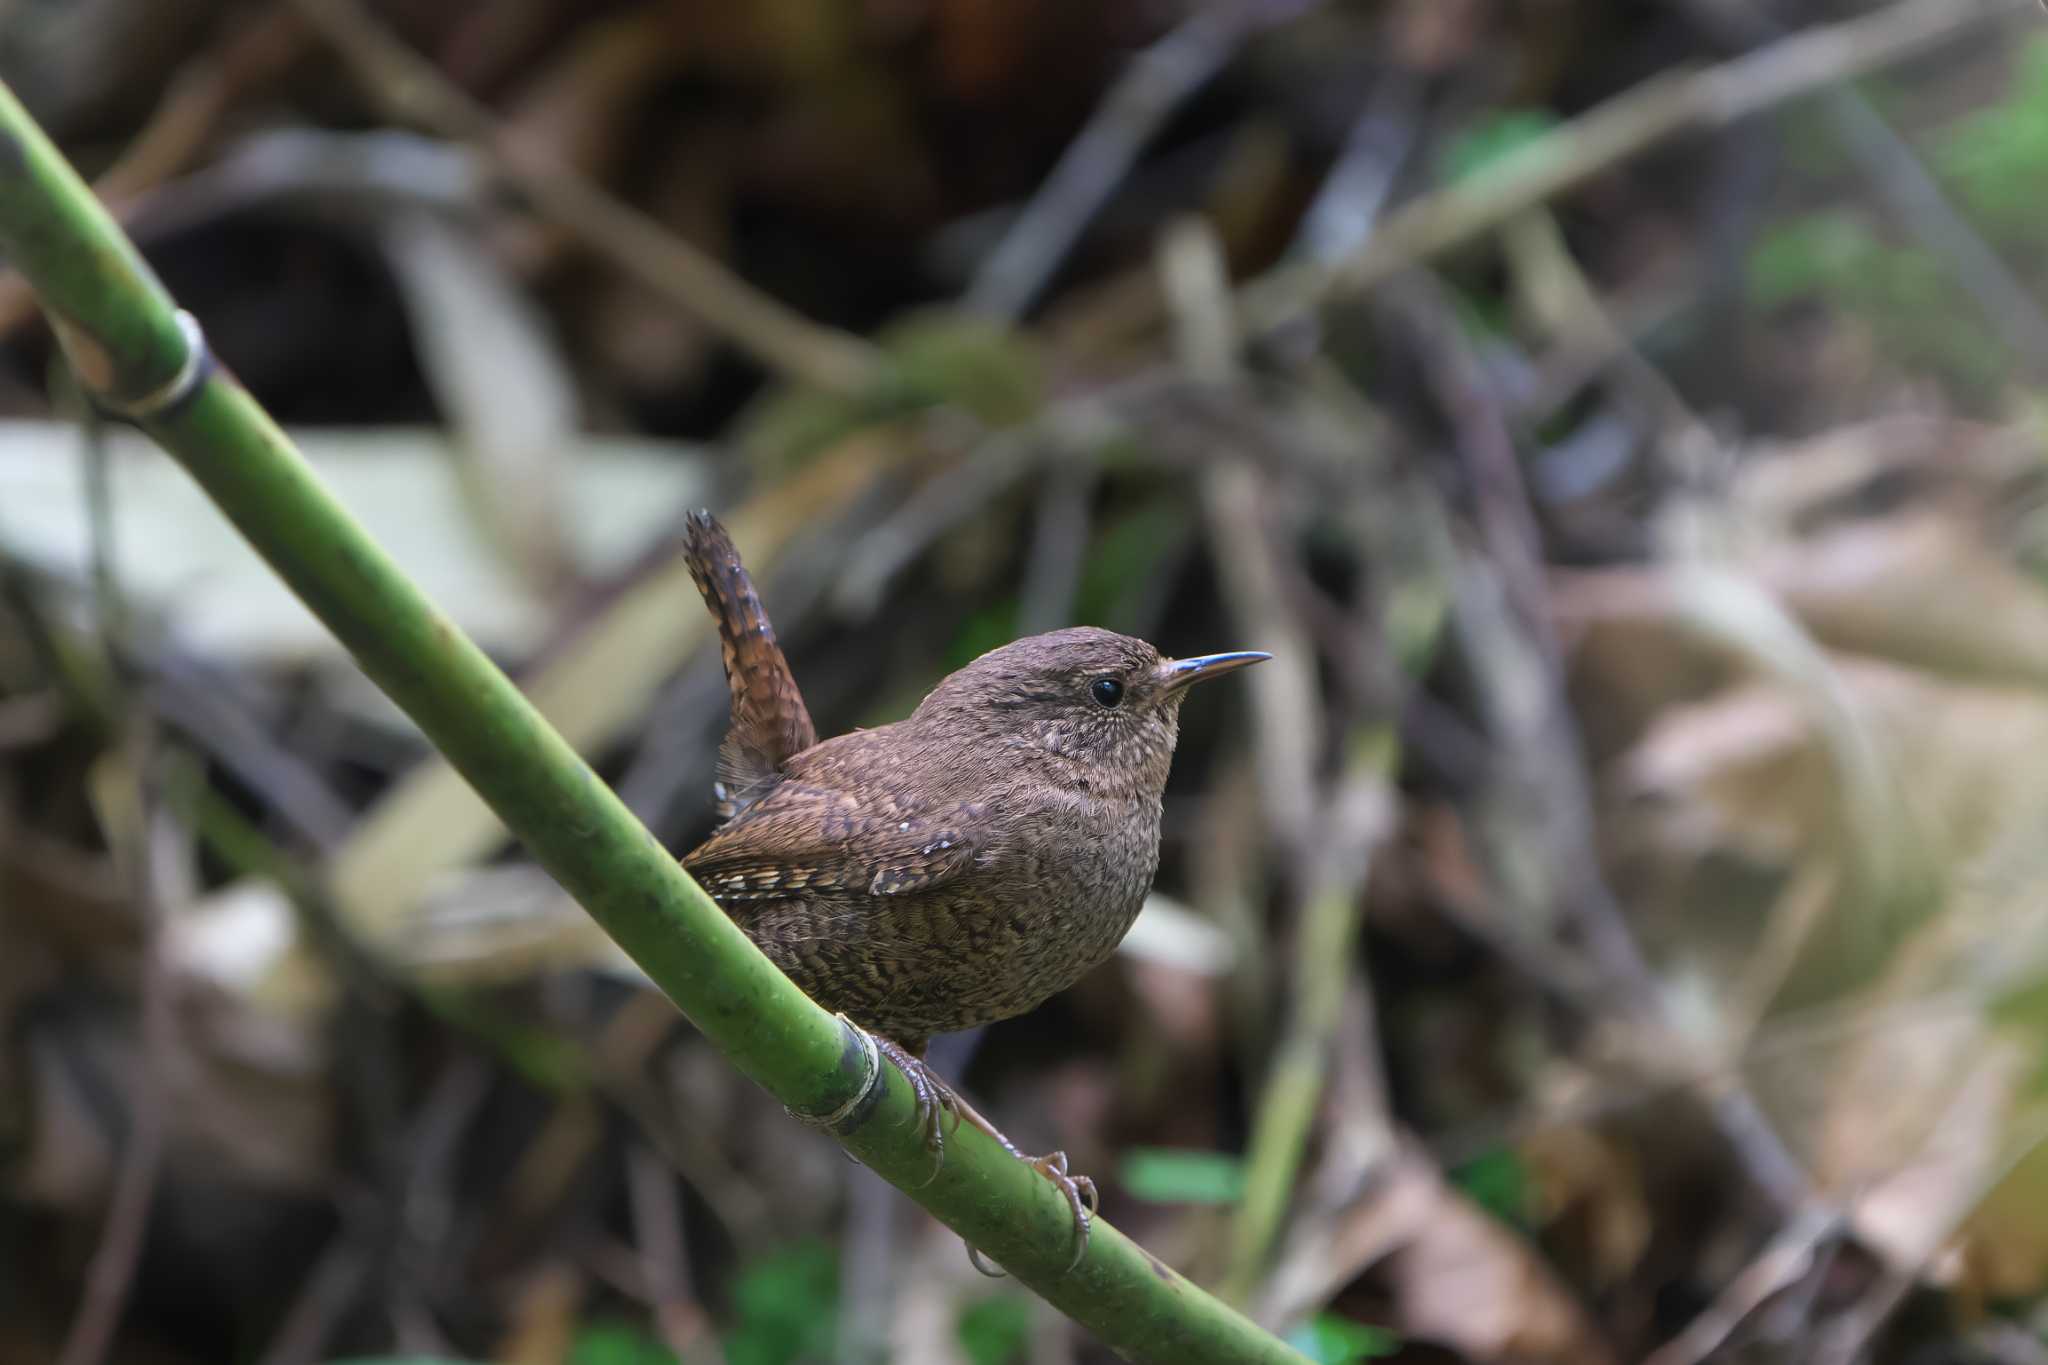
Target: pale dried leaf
<point>1924,588</point>
<point>1466,1280</point>
<point>1169,934</point>
<point>500,379</point>
<point>1459,1277</point>
<point>180,562</point>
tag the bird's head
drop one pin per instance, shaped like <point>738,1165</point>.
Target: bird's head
<point>1091,697</point>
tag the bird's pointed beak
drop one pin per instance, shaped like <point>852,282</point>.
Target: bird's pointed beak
<point>1179,674</point>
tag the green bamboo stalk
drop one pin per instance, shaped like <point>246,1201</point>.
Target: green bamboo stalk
<point>142,359</point>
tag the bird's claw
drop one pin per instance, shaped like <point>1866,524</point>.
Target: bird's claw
<point>935,1099</point>
<point>1081,1197</point>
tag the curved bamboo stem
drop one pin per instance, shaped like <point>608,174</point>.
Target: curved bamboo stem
<point>143,359</point>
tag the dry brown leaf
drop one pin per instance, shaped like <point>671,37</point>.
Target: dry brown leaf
<point>1581,1175</point>
<point>545,1314</point>
<point>1785,487</point>
<point>2004,1241</point>
<point>1798,522</point>
<point>1459,1277</point>
<point>1749,770</point>
<point>1466,1280</point>
<point>1912,1120</point>
<point>1937,1122</point>
<point>1923,588</point>
<point>1902,672</point>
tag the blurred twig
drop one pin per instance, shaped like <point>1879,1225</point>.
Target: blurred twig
<point>326,1292</point>
<point>1625,126</point>
<point>1548,278</point>
<point>1846,1340</point>
<point>1896,174</point>
<point>664,1259</point>
<point>200,95</point>
<point>1360,815</point>
<point>1333,832</point>
<point>138,829</point>
<point>781,339</point>
<point>1152,86</point>
<point>1286,702</point>
<point>254,49</point>
<point>1811,1029</point>
<point>426,1173</point>
<point>871,1280</point>
<point>1517,663</point>
<point>191,697</point>
<point>1059,546</point>
<point>1790,1257</point>
<point>1341,218</point>
<point>997,463</point>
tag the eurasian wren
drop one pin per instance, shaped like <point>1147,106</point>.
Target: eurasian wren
<point>954,868</point>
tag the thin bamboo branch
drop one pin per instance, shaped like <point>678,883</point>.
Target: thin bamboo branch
<point>139,356</point>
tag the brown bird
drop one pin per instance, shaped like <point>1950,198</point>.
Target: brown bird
<point>954,868</point>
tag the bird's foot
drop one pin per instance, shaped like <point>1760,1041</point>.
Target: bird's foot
<point>1080,1194</point>
<point>935,1100</point>
<point>1081,1198</point>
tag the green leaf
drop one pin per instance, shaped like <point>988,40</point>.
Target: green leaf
<point>990,627</point>
<point>996,1331</point>
<point>617,1343</point>
<point>1126,557</point>
<point>1165,1175</point>
<point>1995,158</point>
<point>1332,1340</point>
<point>1492,138</point>
<point>1417,611</point>
<point>2022,1011</point>
<point>788,1307</point>
<point>1817,254</point>
<point>1499,1183</point>
<point>988,369</point>
<point>1902,295</point>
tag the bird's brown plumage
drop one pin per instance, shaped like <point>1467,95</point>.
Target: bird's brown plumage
<point>770,724</point>
<point>961,865</point>
<point>958,866</point>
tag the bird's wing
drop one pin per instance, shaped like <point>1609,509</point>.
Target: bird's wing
<point>802,839</point>
<point>770,724</point>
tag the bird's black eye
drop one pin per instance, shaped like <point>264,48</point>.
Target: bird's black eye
<point>1108,692</point>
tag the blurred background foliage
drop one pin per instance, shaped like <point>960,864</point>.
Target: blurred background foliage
<point>1608,931</point>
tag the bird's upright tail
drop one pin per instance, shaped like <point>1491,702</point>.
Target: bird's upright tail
<point>769,721</point>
